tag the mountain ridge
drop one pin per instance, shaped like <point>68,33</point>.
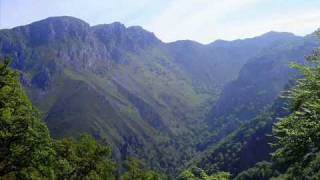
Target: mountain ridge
<point>71,18</point>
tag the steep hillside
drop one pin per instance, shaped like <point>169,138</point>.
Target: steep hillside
<point>247,108</point>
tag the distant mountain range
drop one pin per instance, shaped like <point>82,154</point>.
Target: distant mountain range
<point>163,102</point>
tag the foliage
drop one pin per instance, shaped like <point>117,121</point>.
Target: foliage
<point>83,158</point>
<point>25,145</point>
<point>199,174</point>
<point>135,170</point>
<point>298,135</point>
<point>262,171</point>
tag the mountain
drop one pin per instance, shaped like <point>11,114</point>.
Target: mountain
<point>144,97</point>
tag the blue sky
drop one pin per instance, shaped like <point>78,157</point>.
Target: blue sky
<point>199,20</point>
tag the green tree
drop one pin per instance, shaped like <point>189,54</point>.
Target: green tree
<point>196,173</point>
<point>25,146</point>
<point>262,171</point>
<point>136,171</point>
<point>298,135</point>
<point>83,158</point>
<point>187,175</point>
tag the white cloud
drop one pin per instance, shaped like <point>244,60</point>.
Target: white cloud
<point>187,19</point>
<point>300,23</point>
<point>207,20</point>
<point>20,12</point>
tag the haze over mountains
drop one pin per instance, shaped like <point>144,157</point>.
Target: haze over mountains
<point>168,103</point>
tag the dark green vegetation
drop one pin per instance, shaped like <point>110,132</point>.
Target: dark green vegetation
<point>28,152</point>
<point>26,148</point>
<point>173,105</point>
<point>197,173</point>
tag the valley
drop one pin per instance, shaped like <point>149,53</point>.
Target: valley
<point>173,105</point>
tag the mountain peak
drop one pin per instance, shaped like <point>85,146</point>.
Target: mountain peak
<point>61,21</point>
<point>142,35</point>
<point>277,34</point>
<point>53,29</point>
<point>264,39</point>
<point>120,34</point>
<point>114,25</point>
